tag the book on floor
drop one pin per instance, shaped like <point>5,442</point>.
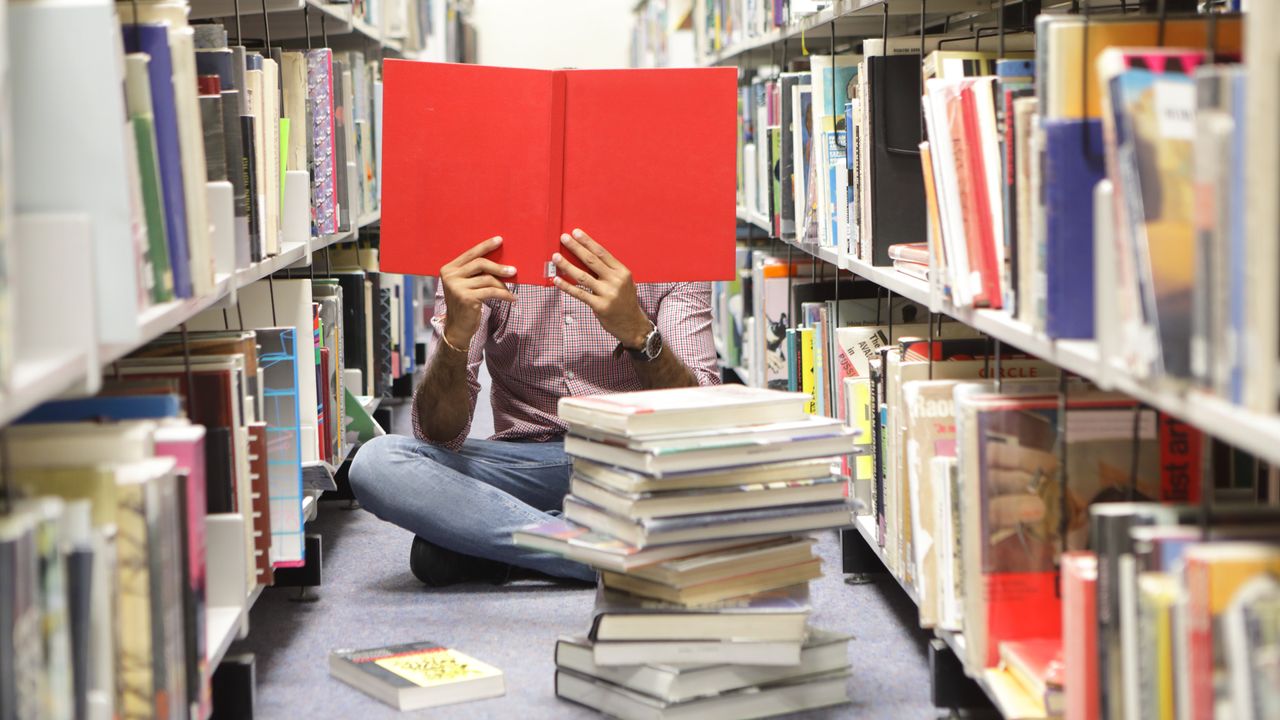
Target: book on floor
<point>702,500</point>
<point>605,551</point>
<point>719,589</point>
<point>676,409</point>
<point>761,701</point>
<point>665,138</point>
<point>777,615</point>
<point>820,437</point>
<point>710,526</point>
<point>629,481</point>
<point>412,676</point>
<point>822,652</point>
<point>748,653</point>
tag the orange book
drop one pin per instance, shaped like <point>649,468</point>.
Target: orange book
<point>642,160</point>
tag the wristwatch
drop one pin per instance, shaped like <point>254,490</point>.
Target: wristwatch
<point>648,351</point>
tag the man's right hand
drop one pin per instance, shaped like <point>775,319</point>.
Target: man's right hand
<point>468,281</point>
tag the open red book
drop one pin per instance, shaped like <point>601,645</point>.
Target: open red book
<point>642,160</point>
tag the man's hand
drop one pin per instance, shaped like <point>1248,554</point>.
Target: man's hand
<point>608,289</point>
<point>468,281</point>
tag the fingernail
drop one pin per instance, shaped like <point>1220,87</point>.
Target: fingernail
<point>557,257</point>
<point>565,236</point>
<point>556,280</point>
<point>578,233</point>
<point>509,270</point>
<point>497,240</point>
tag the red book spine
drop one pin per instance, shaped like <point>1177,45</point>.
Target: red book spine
<point>555,180</point>
<point>983,251</point>
<point>964,188</point>
<point>1199,639</point>
<point>1080,634</point>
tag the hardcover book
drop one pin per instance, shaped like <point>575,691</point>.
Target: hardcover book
<point>417,675</point>
<point>640,159</point>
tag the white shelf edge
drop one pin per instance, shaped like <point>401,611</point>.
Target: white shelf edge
<point>35,380</point>
<point>369,402</point>
<point>1255,432</point>
<point>370,218</point>
<point>222,625</point>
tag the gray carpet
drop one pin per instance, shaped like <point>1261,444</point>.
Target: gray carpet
<point>369,598</point>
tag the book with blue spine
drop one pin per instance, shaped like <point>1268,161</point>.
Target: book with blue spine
<point>153,39</point>
<point>125,407</point>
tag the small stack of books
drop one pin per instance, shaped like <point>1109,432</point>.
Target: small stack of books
<point>693,503</point>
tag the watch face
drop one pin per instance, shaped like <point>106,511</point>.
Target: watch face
<point>653,344</point>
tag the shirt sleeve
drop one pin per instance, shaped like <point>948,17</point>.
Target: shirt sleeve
<point>684,319</point>
<point>475,355</point>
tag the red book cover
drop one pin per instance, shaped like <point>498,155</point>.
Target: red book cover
<point>982,248</point>
<point>642,160</point>
<point>1080,634</point>
<point>965,184</point>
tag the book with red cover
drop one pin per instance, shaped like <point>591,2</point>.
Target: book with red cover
<point>642,160</point>
<point>1080,634</point>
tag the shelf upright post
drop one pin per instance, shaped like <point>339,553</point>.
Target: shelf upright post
<point>835,124</point>
<point>791,279</point>
<point>889,294</point>
<point>922,125</point>
<point>1162,9</point>
<point>324,30</point>
<point>1134,446</point>
<point>239,32</point>
<point>1000,26</point>
<point>1212,44</point>
<point>999,368</point>
<point>191,378</point>
<point>266,28</point>
<point>1063,506</point>
<point>306,21</point>
<point>271,285</point>
<point>6,477</point>
<point>931,314</point>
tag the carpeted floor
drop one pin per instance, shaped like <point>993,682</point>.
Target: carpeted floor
<point>369,598</point>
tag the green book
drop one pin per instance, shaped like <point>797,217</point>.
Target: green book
<point>138,98</point>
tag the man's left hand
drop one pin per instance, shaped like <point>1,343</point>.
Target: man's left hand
<point>607,289</point>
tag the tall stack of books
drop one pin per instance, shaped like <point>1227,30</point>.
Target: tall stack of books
<point>694,504</point>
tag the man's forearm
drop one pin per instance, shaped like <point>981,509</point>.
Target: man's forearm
<point>664,371</point>
<point>443,398</point>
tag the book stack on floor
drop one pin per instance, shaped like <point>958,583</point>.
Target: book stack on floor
<point>694,504</point>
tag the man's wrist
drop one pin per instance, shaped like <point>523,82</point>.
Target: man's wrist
<point>453,341</point>
<point>635,337</point>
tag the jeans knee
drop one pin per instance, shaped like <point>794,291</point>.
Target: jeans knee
<point>369,469</point>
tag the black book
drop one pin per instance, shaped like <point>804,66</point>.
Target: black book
<point>354,355</point>
<point>220,490</point>
<point>382,347</point>
<point>898,212</point>
<point>878,395</point>
<point>250,169</point>
<point>215,149</point>
<point>341,126</point>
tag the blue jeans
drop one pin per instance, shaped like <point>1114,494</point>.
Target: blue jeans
<point>470,501</point>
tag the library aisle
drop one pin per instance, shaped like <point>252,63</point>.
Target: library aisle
<point>369,599</point>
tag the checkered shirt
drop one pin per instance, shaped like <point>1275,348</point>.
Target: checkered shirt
<point>548,345</point>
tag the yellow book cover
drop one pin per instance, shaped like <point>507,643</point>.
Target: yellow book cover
<point>1064,40</point>
<point>416,675</point>
<point>1157,594</point>
<point>807,378</point>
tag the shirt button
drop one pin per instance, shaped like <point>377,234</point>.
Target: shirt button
<point>568,319</point>
<point>568,374</point>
